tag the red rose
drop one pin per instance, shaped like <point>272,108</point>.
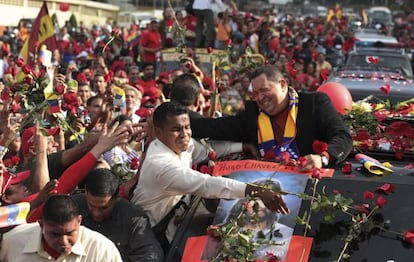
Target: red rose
<point>386,188</point>
<point>214,231</point>
<point>373,60</point>
<point>15,107</point>
<point>19,62</point>
<point>385,89</point>
<point>26,69</point>
<point>362,135</point>
<point>209,49</point>
<point>15,160</point>
<point>29,80</point>
<point>271,257</point>
<point>336,192</point>
<point>60,88</point>
<point>143,112</point>
<point>302,162</point>
<point>409,236</point>
<point>5,95</point>
<point>319,147</point>
<point>400,128</point>
<point>212,155</point>
<point>70,98</point>
<point>14,71</point>
<point>134,163</point>
<point>8,162</point>
<point>108,77</point>
<point>228,42</point>
<point>285,157</point>
<point>316,173</point>
<point>347,168</point>
<point>381,201</point>
<point>368,195</point>
<point>364,208</point>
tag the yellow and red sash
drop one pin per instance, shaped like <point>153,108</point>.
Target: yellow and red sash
<point>266,138</point>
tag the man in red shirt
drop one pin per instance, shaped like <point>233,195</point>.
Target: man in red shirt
<point>150,44</point>
<point>147,80</point>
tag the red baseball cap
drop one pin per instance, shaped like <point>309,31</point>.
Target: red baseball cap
<point>10,179</point>
<point>27,139</point>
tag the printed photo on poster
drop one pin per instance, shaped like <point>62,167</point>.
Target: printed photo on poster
<point>275,227</point>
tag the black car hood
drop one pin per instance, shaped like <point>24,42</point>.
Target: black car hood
<point>362,84</point>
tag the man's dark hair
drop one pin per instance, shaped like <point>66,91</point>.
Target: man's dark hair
<point>270,71</point>
<point>102,182</point>
<point>90,99</point>
<point>145,65</point>
<point>120,119</point>
<point>60,209</point>
<point>185,89</point>
<point>167,109</point>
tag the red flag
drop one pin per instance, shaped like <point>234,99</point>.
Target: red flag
<point>42,33</point>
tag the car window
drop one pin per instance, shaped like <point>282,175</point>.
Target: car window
<point>383,61</point>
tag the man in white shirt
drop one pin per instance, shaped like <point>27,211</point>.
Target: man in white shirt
<point>58,236</point>
<point>166,174</point>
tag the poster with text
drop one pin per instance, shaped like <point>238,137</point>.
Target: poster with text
<point>275,227</point>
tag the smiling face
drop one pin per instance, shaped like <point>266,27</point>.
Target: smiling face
<point>61,236</point>
<point>175,133</point>
<point>270,96</point>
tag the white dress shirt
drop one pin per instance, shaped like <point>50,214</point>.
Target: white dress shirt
<point>165,177</point>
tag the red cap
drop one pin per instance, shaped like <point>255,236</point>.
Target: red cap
<point>27,139</point>
<point>12,179</point>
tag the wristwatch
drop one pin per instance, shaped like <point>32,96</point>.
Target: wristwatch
<point>325,160</point>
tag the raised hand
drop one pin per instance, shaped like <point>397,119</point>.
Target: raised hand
<point>109,138</point>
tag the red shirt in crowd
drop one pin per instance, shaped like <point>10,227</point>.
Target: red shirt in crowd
<point>150,39</point>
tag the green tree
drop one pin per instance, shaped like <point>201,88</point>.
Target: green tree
<point>73,21</point>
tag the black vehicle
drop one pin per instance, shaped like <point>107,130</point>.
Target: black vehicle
<point>368,69</point>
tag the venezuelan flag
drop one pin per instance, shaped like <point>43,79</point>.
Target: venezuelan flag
<point>14,214</point>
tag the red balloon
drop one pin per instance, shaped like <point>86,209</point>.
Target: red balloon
<point>339,95</point>
<point>64,7</point>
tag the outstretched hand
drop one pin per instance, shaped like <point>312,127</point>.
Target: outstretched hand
<point>109,138</point>
<point>271,199</point>
<point>47,190</point>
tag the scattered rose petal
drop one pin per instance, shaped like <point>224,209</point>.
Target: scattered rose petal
<point>347,168</point>
<point>385,89</point>
<point>409,166</point>
<point>386,188</point>
<point>212,155</point>
<point>373,60</point>
<point>409,236</point>
<point>368,195</point>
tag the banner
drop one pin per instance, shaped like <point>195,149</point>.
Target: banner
<point>42,33</point>
<point>276,227</point>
